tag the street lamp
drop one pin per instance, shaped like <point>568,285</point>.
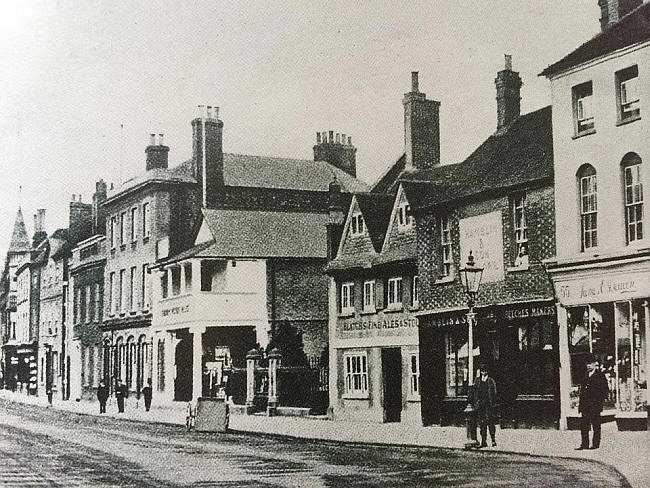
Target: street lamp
<point>470,276</point>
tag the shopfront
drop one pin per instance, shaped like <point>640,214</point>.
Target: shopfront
<point>605,314</point>
<point>519,344</point>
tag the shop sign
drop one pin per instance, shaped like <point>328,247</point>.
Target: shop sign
<point>397,323</point>
<point>604,288</point>
<point>178,310</point>
<point>483,235</point>
<point>531,311</point>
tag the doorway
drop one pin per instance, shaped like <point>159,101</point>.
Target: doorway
<point>391,366</point>
<point>183,380</point>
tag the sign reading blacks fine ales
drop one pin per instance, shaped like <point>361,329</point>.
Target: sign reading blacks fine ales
<point>397,323</point>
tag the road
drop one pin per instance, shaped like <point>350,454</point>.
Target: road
<point>45,447</point>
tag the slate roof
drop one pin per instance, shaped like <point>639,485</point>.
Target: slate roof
<point>261,234</point>
<point>631,29</point>
<point>387,182</point>
<point>255,171</point>
<point>19,238</point>
<point>517,157</point>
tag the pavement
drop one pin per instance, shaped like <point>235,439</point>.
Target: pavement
<point>627,452</point>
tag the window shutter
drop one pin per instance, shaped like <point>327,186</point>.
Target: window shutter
<point>379,294</point>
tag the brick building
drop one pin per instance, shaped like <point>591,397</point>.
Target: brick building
<point>600,270</point>
<point>498,203</point>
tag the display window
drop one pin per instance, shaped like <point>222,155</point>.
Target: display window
<point>457,367</point>
<point>631,375</point>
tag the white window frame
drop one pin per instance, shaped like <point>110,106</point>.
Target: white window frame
<point>132,288</point>
<point>589,211</point>
<point>633,197</point>
<point>122,286</point>
<point>145,288</point>
<point>357,224</point>
<point>122,228</point>
<point>414,375</point>
<point>134,224</point>
<point>404,217</point>
<point>583,108</point>
<point>395,292</point>
<point>355,370</point>
<point>347,298</point>
<point>112,299</point>
<point>447,261</point>
<point>415,299</point>
<point>369,287</point>
<point>113,229</point>
<point>627,93</point>
<point>146,220</point>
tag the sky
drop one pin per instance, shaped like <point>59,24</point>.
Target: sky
<point>83,83</point>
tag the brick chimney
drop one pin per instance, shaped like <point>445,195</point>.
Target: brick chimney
<point>335,219</point>
<point>157,154</point>
<point>39,227</point>
<point>508,85</point>
<point>421,128</point>
<point>81,220</point>
<point>98,212</point>
<point>207,141</point>
<point>337,150</point>
<point>611,11</point>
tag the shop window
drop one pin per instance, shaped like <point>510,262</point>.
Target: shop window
<point>583,116</point>
<point>588,206</point>
<point>356,374</point>
<point>536,357</point>
<point>445,245</point>
<point>627,94</point>
<point>630,371</point>
<point>633,191</point>
<point>369,296</point>
<point>357,224</point>
<point>415,374</point>
<point>347,298</point>
<point>395,293</point>
<point>457,364</point>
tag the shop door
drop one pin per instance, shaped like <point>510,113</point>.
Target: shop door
<point>183,380</point>
<point>391,366</point>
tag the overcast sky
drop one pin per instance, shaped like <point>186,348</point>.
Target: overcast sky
<point>72,72</point>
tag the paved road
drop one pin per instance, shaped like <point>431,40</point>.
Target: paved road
<point>43,447</point>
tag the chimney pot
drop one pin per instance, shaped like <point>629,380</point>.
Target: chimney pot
<point>338,138</point>
<point>152,139</point>
<point>331,138</point>
<point>201,111</point>
<point>216,113</point>
<point>209,111</point>
<point>161,139</point>
<point>508,58</point>
<point>414,82</point>
<point>349,140</point>
<point>73,198</point>
<point>79,197</point>
<point>342,138</point>
<point>317,137</point>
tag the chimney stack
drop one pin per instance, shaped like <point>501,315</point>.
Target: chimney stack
<point>207,150</point>
<point>98,213</point>
<point>81,221</point>
<point>508,85</point>
<point>336,151</point>
<point>421,128</point>
<point>39,227</point>
<point>611,11</point>
<point>335,219</point>
<point>157,154</point>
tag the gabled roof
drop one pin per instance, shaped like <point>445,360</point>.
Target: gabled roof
<point>262,234</point>
<point>19,238</point>
<point>376,209</point>
<point>631,29</point>
<point>517,157</point>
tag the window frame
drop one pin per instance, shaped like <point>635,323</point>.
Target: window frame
<point>582,93</point>
<point>627,110</point>
<point>355,374</point>
<point>446,247</point>
<point>415,284</point>
<point>122,228</point>
<point>346,301</point>
<point>633,205</point>
<point>357,224</point>
<point>146,220</point>
<point>369,296</point>
<point>404,216</point>
<point>395,294</point>
<point>113,229</point>
<point>414,375</point>
<point>134,224</point>
<point>588,207</point>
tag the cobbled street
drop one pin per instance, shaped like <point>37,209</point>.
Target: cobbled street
<point>43,447</point>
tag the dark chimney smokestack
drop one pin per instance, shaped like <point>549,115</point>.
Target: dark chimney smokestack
<point>157,154</point>
<point>207,144</point>
<point>336,151</point>
<point>508,84</point>
<point>421,128</point>
<point>611,11</point>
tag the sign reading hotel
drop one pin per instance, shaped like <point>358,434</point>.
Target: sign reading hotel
<point>482,234</point>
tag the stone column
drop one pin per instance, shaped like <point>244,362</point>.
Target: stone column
<point>565,365</point>
<point>274,357</point>
<point>197,362</point>
<point>252,358</point>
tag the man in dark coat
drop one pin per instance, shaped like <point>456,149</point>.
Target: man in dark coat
<point>120,395</point>
<point>485,403</point>
<point>102,396</point>
<point>147,392</point>
<point>593,392</point>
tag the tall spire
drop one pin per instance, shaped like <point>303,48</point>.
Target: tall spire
<point>19,238</point>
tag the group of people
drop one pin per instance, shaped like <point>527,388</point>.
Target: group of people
<point>593,392</point>
<point>121,392</point>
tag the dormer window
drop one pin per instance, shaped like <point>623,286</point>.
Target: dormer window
<point>404,217</point>
<point>627,94</point>
<point>357,225</point>
<point>583,116</point>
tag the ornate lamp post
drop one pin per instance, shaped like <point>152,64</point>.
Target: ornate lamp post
<point>471,277</point>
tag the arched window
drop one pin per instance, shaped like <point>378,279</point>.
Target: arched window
<point>633,196</point>
<point>588,206</point>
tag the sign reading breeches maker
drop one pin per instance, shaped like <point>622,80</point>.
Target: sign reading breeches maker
<point>483,235</point>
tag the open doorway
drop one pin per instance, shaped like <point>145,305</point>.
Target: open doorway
<point>391,366</point>
<point>183,379</point>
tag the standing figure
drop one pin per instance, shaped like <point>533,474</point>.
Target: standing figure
<point>120,395</point>
<point>485,402</point>
<point>147,392</point>
<point>102,396</point>
<point>593,392</point>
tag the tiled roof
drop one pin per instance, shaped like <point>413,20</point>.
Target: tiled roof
<point>351,261</point>
<point>243,233</point>
<point>520,155</point>
<point>388,181</point>
<point>404,252</point>
<point>19,238</point>
<point>376,209</point>
<point>631,29</point>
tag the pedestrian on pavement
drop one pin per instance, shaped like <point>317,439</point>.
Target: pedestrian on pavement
<point>485,403</point>
<point>593,392</point>
<point>120,395</point>
<point>147,392</point>
<point>102,396</point>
